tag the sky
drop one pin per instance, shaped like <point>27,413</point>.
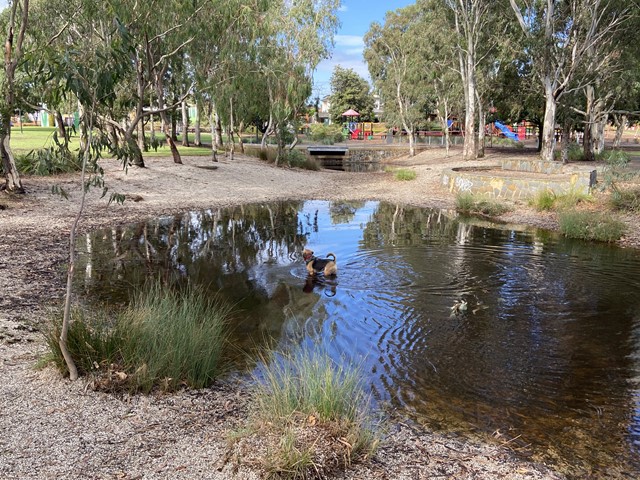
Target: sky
<point>355,17</point>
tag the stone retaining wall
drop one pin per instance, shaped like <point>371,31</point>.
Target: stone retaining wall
<point>534,166</point>
<point>488,181</point>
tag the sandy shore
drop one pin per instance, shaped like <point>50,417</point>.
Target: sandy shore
<point>52,428</point>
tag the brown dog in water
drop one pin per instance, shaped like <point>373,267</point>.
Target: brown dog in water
<point>316,265</point>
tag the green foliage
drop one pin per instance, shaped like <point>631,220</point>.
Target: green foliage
<point>297,159</point>
<point>306,401</point>
<point>506,142</point>
<point>574,154</point>
<point>544,200</point>
<point>468,204</point>
<point>398,58</point>
<point>48,161</point>
<point>626,200</point>
<point>615,171</point>
<point>349,90</point>
<point>405,175</point>
<point>326,134</point>
<point>164,339</point>
<point>590,226</point>
<point>614,158</point>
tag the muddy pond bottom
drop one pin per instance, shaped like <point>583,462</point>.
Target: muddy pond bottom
<point>523,336</point>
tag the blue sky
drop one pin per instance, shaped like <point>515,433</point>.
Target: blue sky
<point>355,16</point>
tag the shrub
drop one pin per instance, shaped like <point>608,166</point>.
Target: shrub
<point>571,199</point>
<point>48,161</point>
<point>614,158</point>
<point>544,200</point>
<point>590,226</point>
<point>297,159</point>
<point>327,134</point>
<point>626,200</point>
<point>311,416</point>
<point>506,142</point>
<point>468,204</point>
<point>575,153</point>
<point>404,174</point>
<point>164,339</point>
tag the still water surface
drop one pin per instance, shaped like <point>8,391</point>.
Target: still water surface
<point>546,354</point>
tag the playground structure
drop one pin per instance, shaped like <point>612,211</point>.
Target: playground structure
<point>507,131</point>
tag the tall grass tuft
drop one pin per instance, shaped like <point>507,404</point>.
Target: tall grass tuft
<point>315,412</point>
<point>590,226</point>
<point>469,204</point>
<point>164,339</point>
<point>544,200</point>
<point>173,338</point>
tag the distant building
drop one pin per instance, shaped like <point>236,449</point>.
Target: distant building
<point>323,113</point>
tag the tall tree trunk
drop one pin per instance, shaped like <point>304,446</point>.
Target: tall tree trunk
<point>159,84</point>
<point>239,133</point>
<point>482,119</point>
<point>566,133</point>
<point>12,55</point>
<point>219,143</point>
<point>197,140</point>
<point>62,131</point>
<point>212,123</point>
<point>549,123</point>
<point>588,140</point>
<point>142,143</point>
<point>185,124</point>
<point>232,141</point>
<point>152,123</point>
<point>620,122</point>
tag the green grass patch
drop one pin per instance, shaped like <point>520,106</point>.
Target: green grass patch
<point>469,204</point>
<point>596,226</point>
<point>163,340</point>
<point>311,416</point>
<point>404,174</point>
<point>544,200</point>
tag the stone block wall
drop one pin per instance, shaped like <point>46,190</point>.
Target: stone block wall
<point>534,166</point>
<point>490,183</point>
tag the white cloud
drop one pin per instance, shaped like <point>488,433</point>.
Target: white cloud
<point>349,41</point>
<point>343,8</point>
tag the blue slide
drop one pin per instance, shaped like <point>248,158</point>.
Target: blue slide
<point>506,131</point>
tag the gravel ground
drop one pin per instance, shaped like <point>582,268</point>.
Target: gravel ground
<point>51,428</point>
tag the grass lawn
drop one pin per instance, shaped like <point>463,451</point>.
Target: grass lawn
<point>34,138</point>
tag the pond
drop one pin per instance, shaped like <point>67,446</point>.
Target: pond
<point>477,329</point>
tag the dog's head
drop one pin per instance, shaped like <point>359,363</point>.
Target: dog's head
<point>307,254</point>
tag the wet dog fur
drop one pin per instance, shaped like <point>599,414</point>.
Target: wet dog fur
<point>315,265</point>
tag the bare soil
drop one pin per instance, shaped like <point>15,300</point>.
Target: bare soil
<point>52,428</point>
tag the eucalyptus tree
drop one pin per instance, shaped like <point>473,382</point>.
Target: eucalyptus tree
<point>562,39</point>
<point>93,74</point>
<point>15,31</point>
<point>471,20</point>
<point>297,36</point>
<point>350,91</point>
<point>398,63</point>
